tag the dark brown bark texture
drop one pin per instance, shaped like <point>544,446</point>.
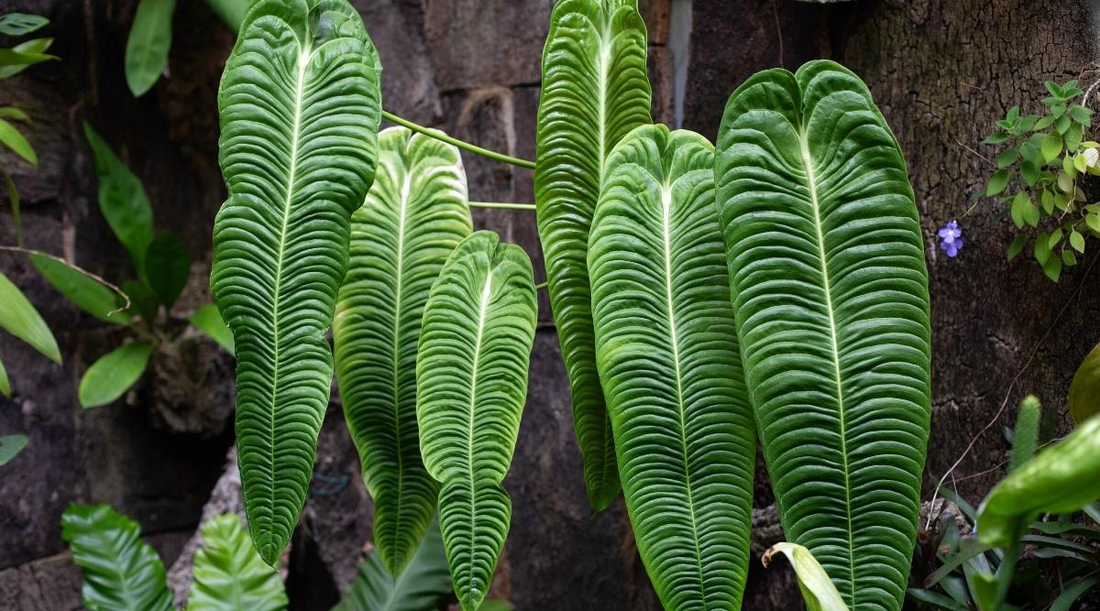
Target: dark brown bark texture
<point>942,72</point>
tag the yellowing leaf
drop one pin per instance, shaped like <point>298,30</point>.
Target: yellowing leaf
<point>818,590</point>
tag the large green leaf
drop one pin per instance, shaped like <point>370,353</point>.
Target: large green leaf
<point>18,317</point>
<point>228,574</point>
<point>113,374</point>
<point>666,346</point>
<point>122,200</point>
<point>1084,390</point>
<point>831,293</point>
<point>594,91</point>
<point>414,216</point>
<point>82,290</point>
<point>148,44</point>
<point>121,572</point>
<point>300,107</point>
<point>420,587</point>
<point>471,377</point>
<point>1062,478</point>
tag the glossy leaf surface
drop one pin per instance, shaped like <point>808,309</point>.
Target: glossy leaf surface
<point>594,91</point>
<point>831,293</point>
<point>121,572</point>
<point>300,107</point>
<point>228,574</point>
<point>666,346</point>
<point>414,215</point>
<point>471,376</point>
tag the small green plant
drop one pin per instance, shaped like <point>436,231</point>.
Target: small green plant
<point>1040,174</point>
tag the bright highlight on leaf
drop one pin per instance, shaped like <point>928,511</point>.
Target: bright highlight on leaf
<point>831,296</point>
<point>471,377</point>
<point>300,107</point>
<point>18,317</point>
<point>113,374</point>
<point>594,91</point>
<point>666,346</point>
<point>228,575</point>
<point>1061,478</point>
<point>415,214</point>
<point>121,572</point>
<point>817,589</point>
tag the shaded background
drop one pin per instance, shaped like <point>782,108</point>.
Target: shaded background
<point>941,70</point>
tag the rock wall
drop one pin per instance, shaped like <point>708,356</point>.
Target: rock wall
<point>942,71</point>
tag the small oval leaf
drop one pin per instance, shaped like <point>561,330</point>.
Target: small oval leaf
<point>113,374</point>
<point>148,44</point>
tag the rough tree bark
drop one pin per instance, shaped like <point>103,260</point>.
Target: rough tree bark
<point>941,70</point>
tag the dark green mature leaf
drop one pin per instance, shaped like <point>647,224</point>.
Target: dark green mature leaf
<point>122,200</point>
<point>121,572</point>
<point>167,265</point>
<point>113,374</point>
<point>21,24</point>
<point>208,319</point>
<point>471,382</point>
<point>415,214</point>
<point>142,300</point>
<point>420,587</point>
<point>1084,391</point>
<point>1062,478</point>
<point>10,445</point>
<point>228,574</point>
<point>5,384</point>
<point>83,291</point>
<point>594,91</point>
<point>148,44</point>
<point>18,317</point>
<point>817,589</point>
<point>300,107</point>
<point>666,347</point>
<point>831,294</point>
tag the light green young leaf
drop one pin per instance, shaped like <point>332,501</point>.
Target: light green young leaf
<point>113,374</point>
<point>414,216</point>
<point>208,319</point>
<point>5,384</point>
<point>683,430</point>
<point>1061,478</point>
<point>228,574</point>
<point>167,265</point>
<point>818,590</point>
<point>21,24</point>
<point>594,91</point>
<point>231,12</point>
<point>281,239</point>
<point>122,200</point>
<point>831,296</point>
<point>18,317</point>
<point>423,583</point>
<point>10,445</point>
<point>148,44</point>
<point>121,572</point>
<point>11,138</point>
<point>83,291</point>
<point>1051,147</point>
<point>471,383</point>
<point>23,56</point>
<point>1084,390</point>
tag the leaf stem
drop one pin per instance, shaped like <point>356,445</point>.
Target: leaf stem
<point>540,286</point>
<point>473,148</point>
<point>99,279</point>
<point>504,205</point>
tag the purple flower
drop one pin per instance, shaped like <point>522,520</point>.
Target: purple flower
<point>951,238</point>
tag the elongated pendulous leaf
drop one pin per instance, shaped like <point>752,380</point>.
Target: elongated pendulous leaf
<point>414,215</point>
<point>21,319</point>
<point>300,107</point>
<point>228,574</point>
<point>666,346</point>
<point>420,587</point>
<point>471,377</point>
<point>831,294</point>
<point>82,290</point>
<point>594,91</point>
<point>121,572</point>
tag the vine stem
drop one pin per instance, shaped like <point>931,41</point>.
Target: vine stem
<point>503,205</point>
<point>473,148</point>
<point>540,286</point>
<point>80,270</point>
